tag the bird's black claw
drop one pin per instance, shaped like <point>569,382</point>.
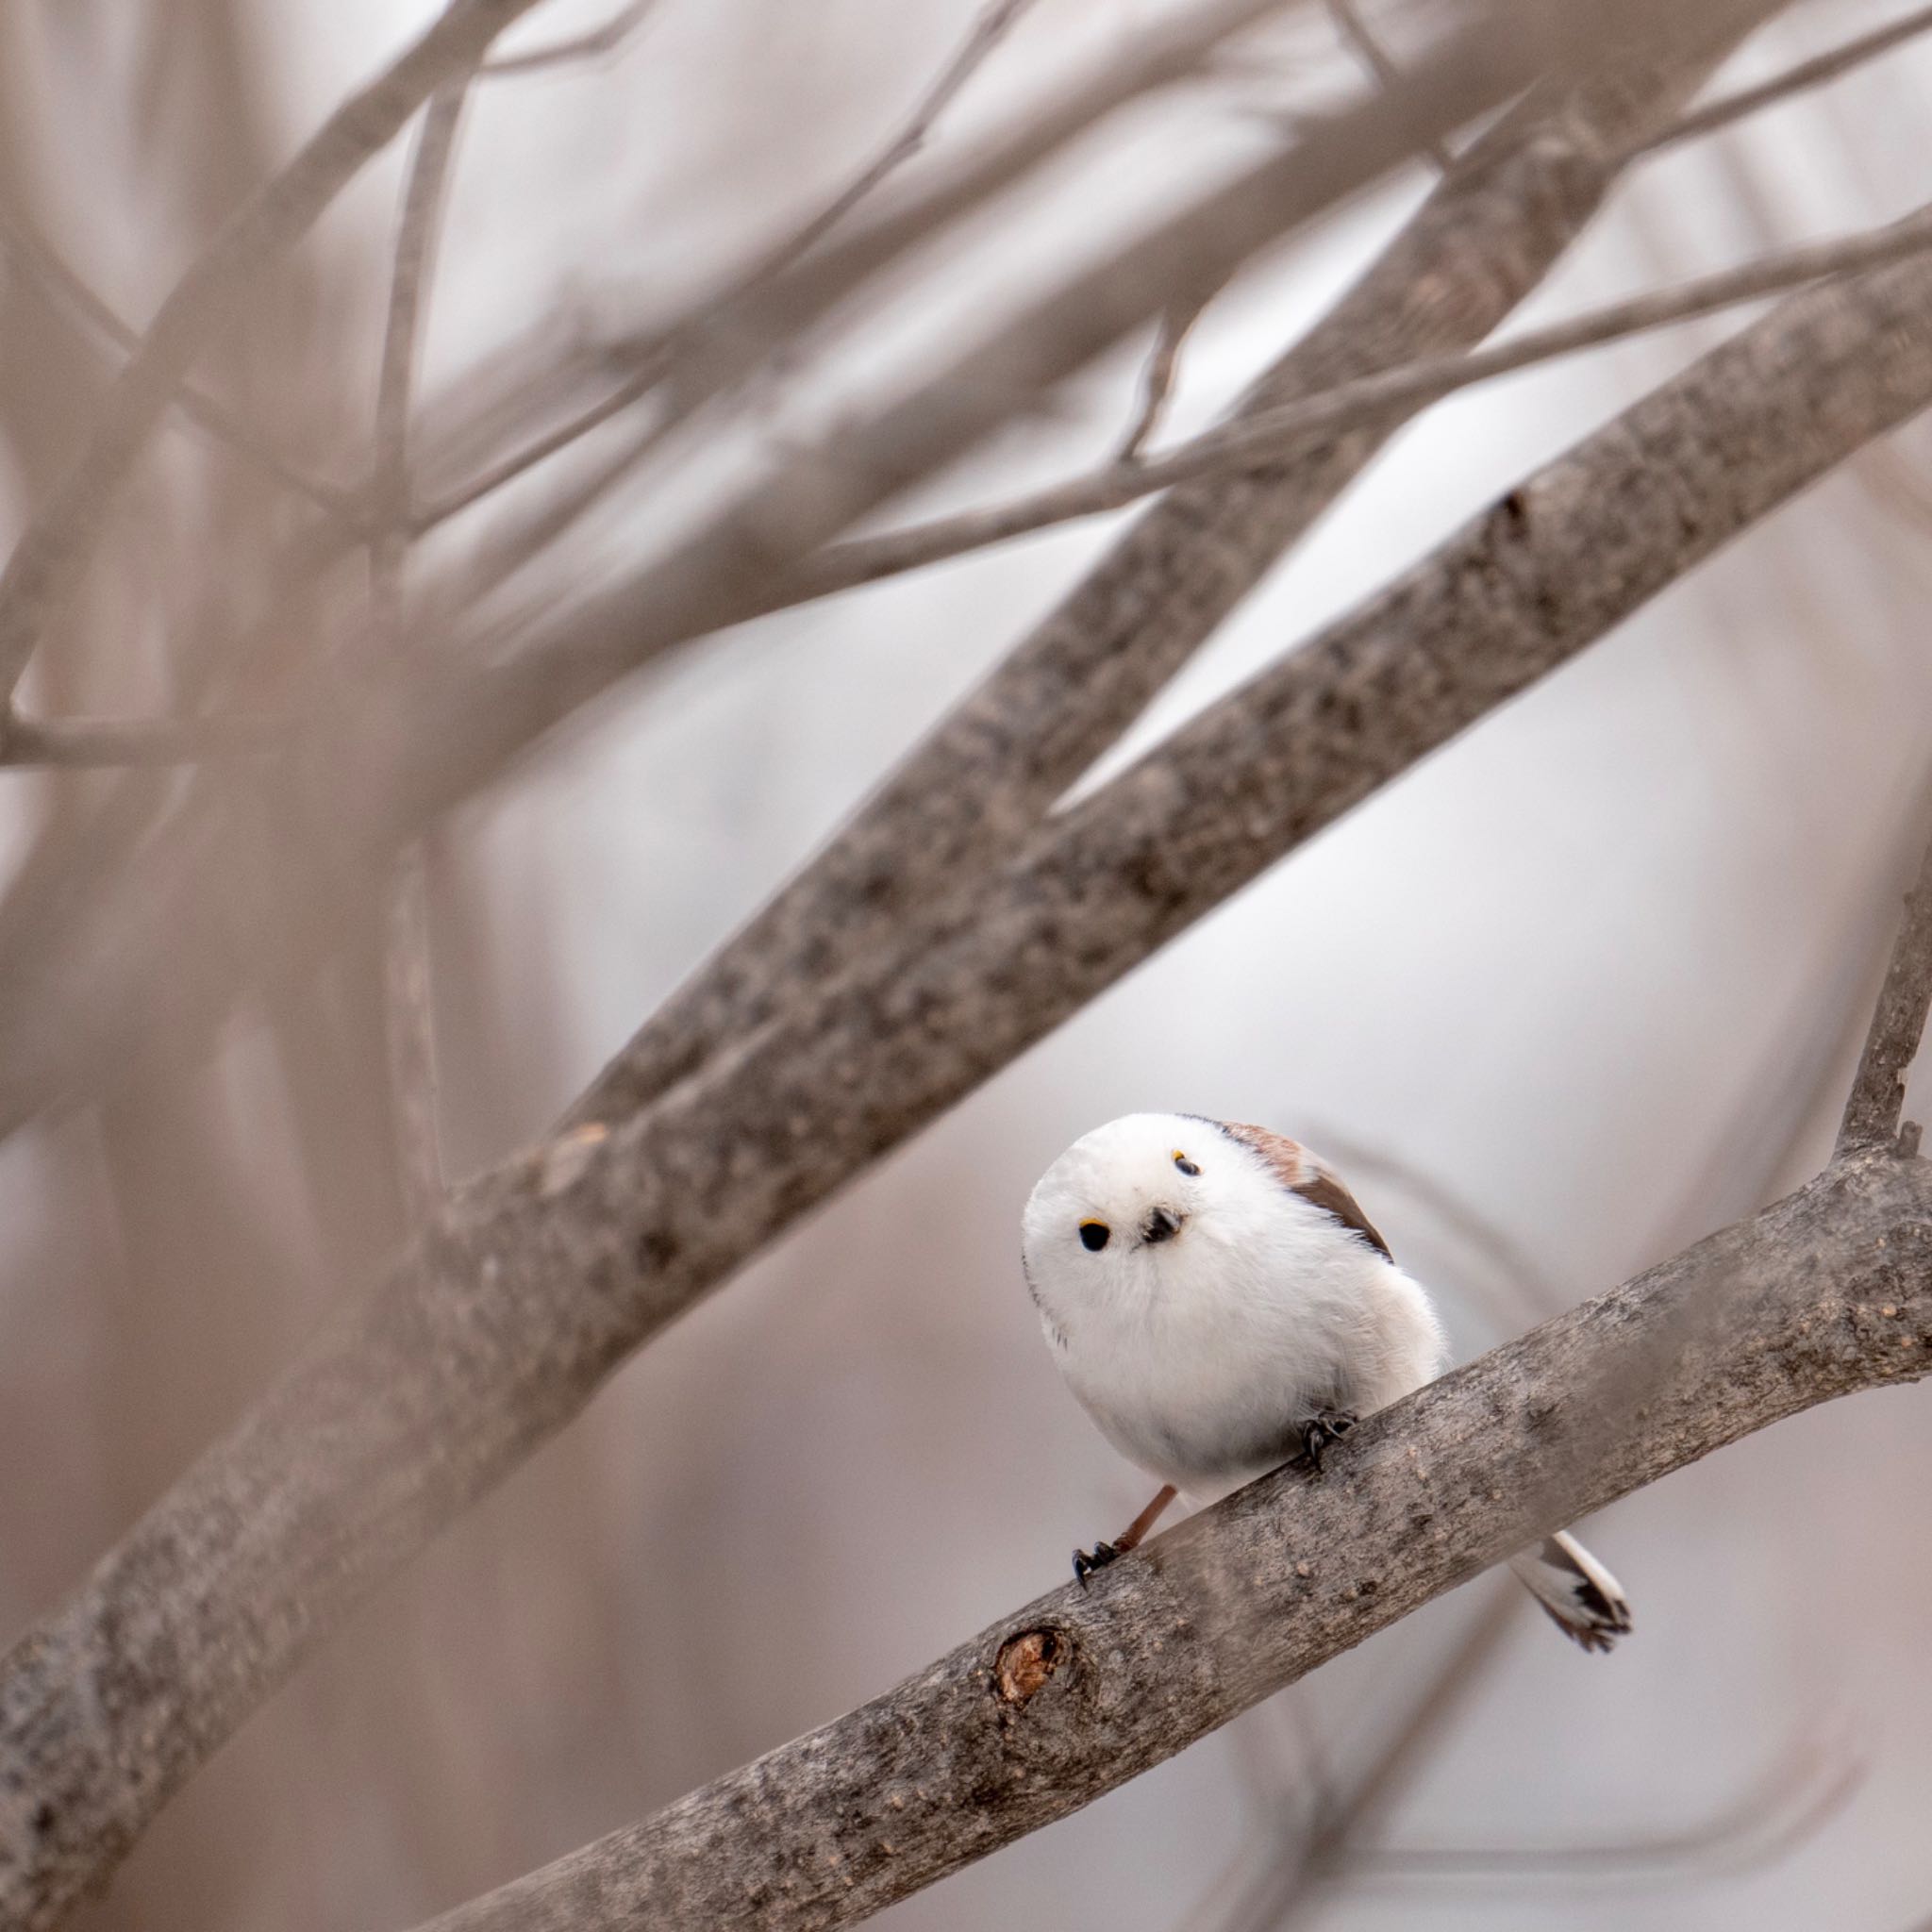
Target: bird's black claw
<point>1319,1430</point>
<point>1084,1565</point>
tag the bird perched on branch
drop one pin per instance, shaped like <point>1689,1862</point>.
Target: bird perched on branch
<point>1219,1304</point>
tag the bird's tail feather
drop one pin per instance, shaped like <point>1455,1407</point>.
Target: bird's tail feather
<point>1582,1598</point>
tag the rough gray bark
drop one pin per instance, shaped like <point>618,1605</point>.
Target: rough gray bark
<point>1898,1026</point>
<point>496,1329</point>
<point>982,781</point>
<point>1826,1292</point>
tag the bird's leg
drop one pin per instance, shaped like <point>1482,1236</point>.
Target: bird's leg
<point>1324,1426</point>
<point>1103,1553</point>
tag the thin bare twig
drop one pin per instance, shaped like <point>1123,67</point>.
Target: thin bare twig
<point>572,52</point>
<point>408,1014</point>
<point>734,327</point>
<point>55,546</point>
<point>1807,74</point>
<point>1898,1026</point>
<point>1158,378</point>
<point>519,462</point>
<point>658,357</point>
<point>996,19</point>
<point>418,230</point>
<point>1268,436</point>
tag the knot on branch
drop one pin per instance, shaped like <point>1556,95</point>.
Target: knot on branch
<point>1026,1661</point>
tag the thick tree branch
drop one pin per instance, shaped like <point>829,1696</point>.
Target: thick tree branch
<point>488,1335</point>
<point>1826,1293</point>
<point>1898,1026</point>
<point>55,544</point>
<point>983,780</point>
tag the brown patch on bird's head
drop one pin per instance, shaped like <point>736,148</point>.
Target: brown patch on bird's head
<point>1288,1159</point>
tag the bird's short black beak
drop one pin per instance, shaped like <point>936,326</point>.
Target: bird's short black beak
<point>1161,1225</point>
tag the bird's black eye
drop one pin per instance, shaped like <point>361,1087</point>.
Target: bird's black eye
<point>1186,1166</point>
<point>1093,1235</point>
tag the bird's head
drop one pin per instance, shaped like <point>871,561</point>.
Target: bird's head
<point>1125,1206</point>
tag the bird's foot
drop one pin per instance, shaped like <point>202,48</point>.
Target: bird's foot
<point>1328,1425</point>
<point>1085,1565</point>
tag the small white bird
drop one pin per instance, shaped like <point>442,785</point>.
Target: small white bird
<point>1219,1304</point>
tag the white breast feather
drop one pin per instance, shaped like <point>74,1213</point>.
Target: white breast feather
<point>1198,1358</point>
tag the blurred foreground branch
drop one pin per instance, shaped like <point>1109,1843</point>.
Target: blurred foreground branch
<point>43,563</point>
<point>449,720</point>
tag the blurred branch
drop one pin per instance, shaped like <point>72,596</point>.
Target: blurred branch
<point>591,46</point>
<point>418,233</point>
<point>100,743</point>
<point>56,543</point>
<point>1815,72</point>
<point>1276,434</point>
<point>722,340</point>
<point>408,1012</point>
<point>548,1270</point>
<point>1361,42</point>
<point>1788,1804</point>
<point>1293,1881</point>
<point>660,358</point>
<point>1898,1028</point>
<point>447,720</point>
<point>731,569</point>
<point>966,798</point>
<point>21,237</point>
<point>1080,1690</point>
<point>995,21</point>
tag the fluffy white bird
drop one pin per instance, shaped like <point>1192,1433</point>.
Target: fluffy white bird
<point>1219,1304</point>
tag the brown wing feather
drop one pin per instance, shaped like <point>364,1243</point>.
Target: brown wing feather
<point>1301,1174</point>
<point>1327,1192</point>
